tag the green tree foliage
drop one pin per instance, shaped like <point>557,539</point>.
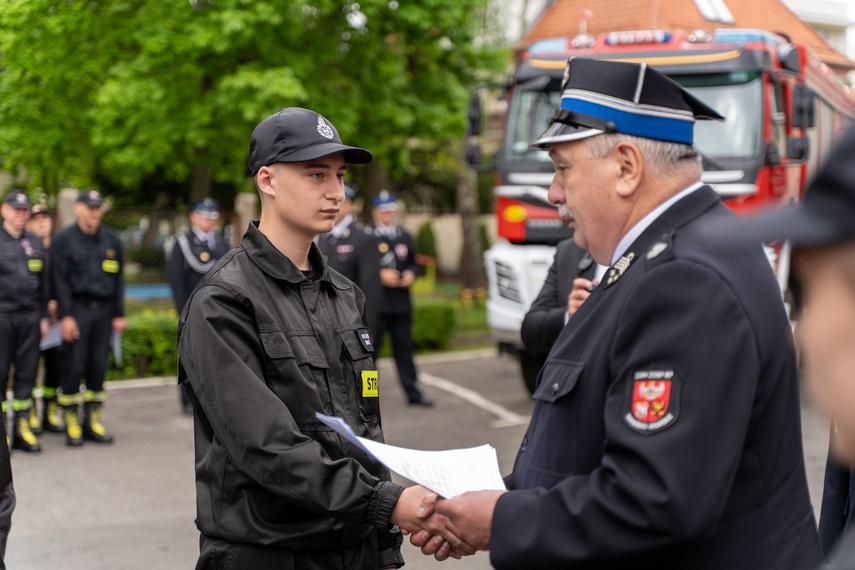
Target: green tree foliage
<point>120,91</point>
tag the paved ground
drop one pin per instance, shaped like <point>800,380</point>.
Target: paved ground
<point>130,505</point>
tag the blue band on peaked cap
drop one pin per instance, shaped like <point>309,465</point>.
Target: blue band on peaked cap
<point>601,96</point>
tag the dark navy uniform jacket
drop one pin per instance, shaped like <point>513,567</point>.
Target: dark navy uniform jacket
<point>354,254</point>
<point>189,260</point>
<point>23,274</point>
<point>87,267</point>
<point>666,430</point>
<point>397,253</point>
<point>545,318</point>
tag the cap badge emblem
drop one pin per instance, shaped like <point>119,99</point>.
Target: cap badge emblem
<point>20,197</point>
<point>324,129</point>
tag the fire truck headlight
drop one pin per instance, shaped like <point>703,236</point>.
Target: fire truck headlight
<point>507,283</point>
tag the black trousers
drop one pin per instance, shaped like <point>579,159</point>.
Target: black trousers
<point>87,356</point>
<point>19,343</point>
<point>399,328</point>
<point>215,554</point>
<point>53,367</point>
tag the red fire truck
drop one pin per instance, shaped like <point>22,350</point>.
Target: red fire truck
<point>784,110</point>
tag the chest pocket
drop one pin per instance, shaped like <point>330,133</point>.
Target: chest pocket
<point>558,378</point>
<point>295,372</point>
<point>360,367</point>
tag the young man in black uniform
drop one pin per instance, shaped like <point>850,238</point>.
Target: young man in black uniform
<point>397,273</point>
<point>23,312</point>
<point>87,279</point>
<point>351,249</point>
<point>193,253</point>
<point>270,337</point>
<point>666,428</point>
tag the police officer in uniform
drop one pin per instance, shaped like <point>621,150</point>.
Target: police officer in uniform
<point>666,427</point>
<point>397,273</point>
<point>193,253</point>
<point>87,278</point>
<point>351,249</point>
<point>23,312</point>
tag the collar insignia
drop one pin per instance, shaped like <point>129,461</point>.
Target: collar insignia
<point>657,249</point>
<point>620,267</point>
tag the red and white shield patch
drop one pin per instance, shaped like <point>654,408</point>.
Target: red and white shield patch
<point>654,400</point>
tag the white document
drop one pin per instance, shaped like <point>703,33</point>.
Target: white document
<point>447,473</point>
<point>52,338</point>
<point>116,347</point>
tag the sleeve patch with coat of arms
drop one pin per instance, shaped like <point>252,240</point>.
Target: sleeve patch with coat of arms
<point>654,400</point>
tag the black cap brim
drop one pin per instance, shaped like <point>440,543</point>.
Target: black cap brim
<point>352,154</point>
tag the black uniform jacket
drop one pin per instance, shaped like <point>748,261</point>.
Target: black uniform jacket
<point>261,350</point>
<point>189,260</point>
<point>666,429</point>
<point>23,274</point>
<point>843,555</point>
<point>545,318</point>
<point>88,267</point>
<point>354,254</point>
<point>397,253</point>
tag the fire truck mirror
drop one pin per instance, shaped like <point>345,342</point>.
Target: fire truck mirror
<point>773,156</point>
<point>804,115</point>
<point>798,148</point>
<point>790,57</point>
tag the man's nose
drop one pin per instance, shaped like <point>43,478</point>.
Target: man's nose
<point>556,191</point>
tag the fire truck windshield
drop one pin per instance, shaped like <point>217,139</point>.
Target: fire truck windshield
<point>737,95</point>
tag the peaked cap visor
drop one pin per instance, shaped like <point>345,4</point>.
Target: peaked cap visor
<point>352,154</point>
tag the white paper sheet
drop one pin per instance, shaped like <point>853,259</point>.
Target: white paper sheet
<point>447,473</point>
<point>52,338</point>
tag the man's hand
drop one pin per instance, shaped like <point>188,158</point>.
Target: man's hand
<point>407,278</point>
<point>580,292</point>
<point>44,325</point>
<point>51,309</point>
<point>119,324</point>
<point>470,516</point>
<point>68,329</point>
<point>414,513</point>
<point>390,278</point>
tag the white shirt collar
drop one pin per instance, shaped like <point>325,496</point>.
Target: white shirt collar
<point>645,222</point>
<point>200,234</point>
<point>341,226</point>
<point>386,230</point>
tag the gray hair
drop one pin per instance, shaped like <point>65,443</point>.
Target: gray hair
<point>666,158</point>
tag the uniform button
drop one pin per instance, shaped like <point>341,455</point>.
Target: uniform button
<point>524,444</point>
<point>555,387</point>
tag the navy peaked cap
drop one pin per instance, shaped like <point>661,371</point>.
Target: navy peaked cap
<point>349,191</point>
<point>599,96</point>
<point>385,201</point>
<point>207,208</point>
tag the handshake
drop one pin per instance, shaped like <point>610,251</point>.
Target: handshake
<point>446,527</point>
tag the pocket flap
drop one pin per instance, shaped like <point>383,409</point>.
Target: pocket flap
<point>358,343</point>
<point>302,347</point>
<point>557,379</point>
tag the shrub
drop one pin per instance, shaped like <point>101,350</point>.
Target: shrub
<point>433,326</point>
<point>148,346</point>
<point>426,241</point>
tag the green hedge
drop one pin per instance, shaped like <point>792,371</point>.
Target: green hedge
<point>149,343</point>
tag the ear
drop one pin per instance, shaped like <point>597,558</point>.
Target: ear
<point>631,168</point>
<point>264,180</point>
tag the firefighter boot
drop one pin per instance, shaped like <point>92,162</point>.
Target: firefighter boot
<point>35,422</point>
<point>50,412</point>
<point>93,429</point>
<point>71,417</point>
<point>22,436</point>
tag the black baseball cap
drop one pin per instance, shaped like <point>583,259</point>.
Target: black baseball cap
<point>825,216</point>
<point>298,135</point>
<point>18,199</point>
<point>38,209</point>
<point>91,197</point>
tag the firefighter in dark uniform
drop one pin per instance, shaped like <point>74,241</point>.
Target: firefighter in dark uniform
<point>666,428</point>
<point>87,279</point>
<point>569,281</point>
<point>23,312</point>
<point>351,249</point>
<point>397,273</point>
<point>41,224</point>
<point>193,253</point>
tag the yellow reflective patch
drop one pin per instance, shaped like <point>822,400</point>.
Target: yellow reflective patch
<point>369,384</point>
<point>110,266</point>
<point>35,264</point>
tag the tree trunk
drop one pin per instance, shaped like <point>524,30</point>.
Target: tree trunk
<point>200,186</point>
<point>374,179</point>
<point>467,205</point>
